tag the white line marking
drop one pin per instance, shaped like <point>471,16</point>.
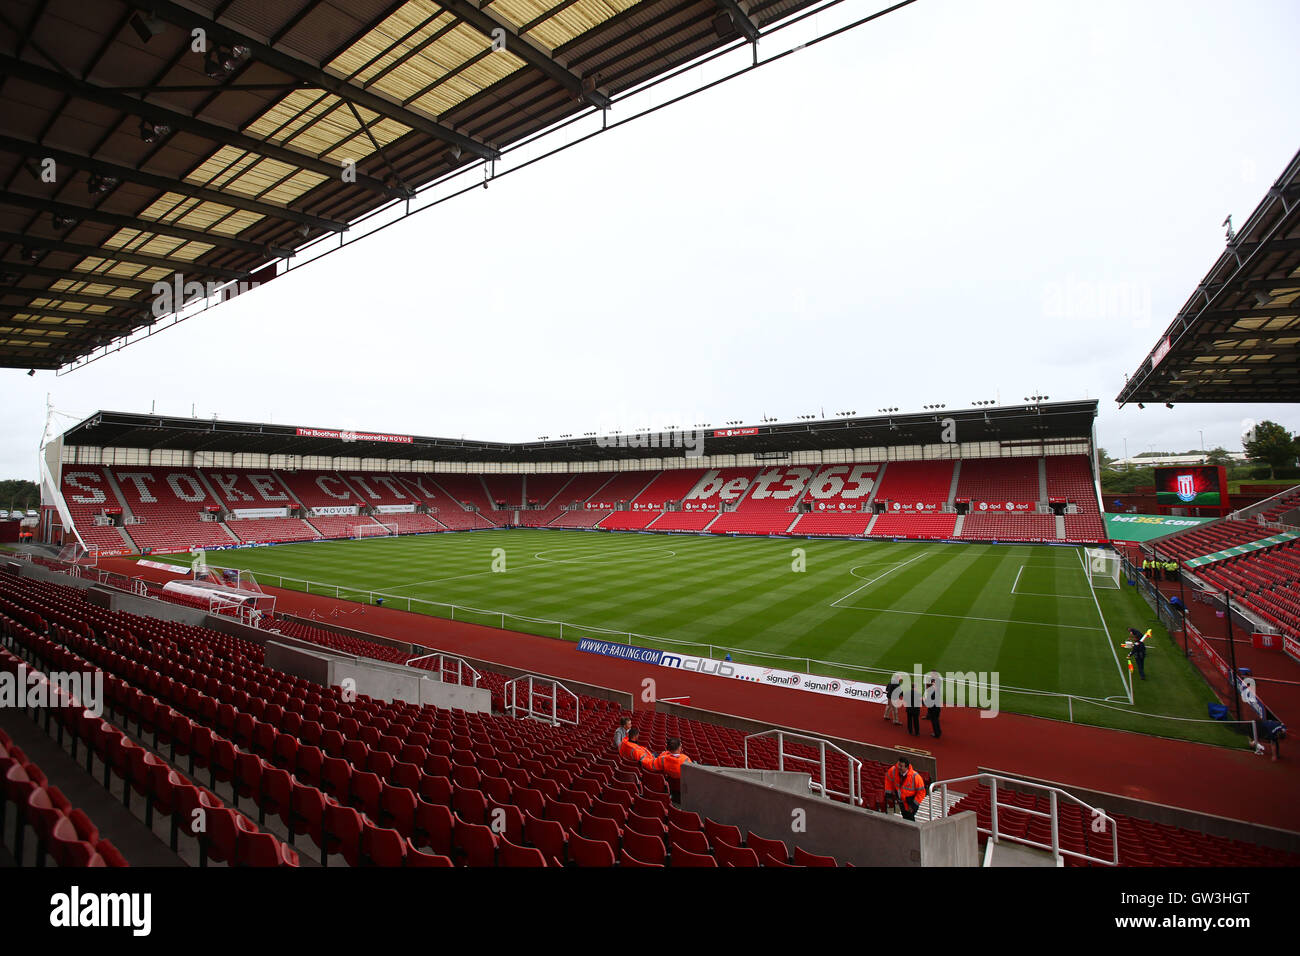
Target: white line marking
<point>967,617</point>
<point>1067,597</point>
<point>1118,666</point>
<point>541,563</point>
<point>878,577</point>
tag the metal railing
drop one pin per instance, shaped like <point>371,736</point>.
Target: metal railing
<point>1098,821</point>
<point>444,662</point>
<point>854,794</point>
<point>529,709</point>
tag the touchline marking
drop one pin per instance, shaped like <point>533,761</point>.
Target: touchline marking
<point>967,617</point>
<point>877,578</point>
<point>1128,691</point>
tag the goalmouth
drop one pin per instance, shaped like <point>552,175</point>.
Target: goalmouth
<point>375,531</point>
<point>1103,567</point>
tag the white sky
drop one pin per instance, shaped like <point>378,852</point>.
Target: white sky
<point>960,201</point>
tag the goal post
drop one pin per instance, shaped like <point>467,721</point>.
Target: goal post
<point>375,530</point>
<point>1103,567</point>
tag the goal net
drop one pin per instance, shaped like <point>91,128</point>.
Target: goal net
<point>78,556</point>
<point>1103,567</point>
<point>375,530</point>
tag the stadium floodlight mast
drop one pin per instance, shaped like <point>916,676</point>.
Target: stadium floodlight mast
<point>887,410</point>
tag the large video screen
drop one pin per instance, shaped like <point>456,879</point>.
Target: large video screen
<point>1193,485</point>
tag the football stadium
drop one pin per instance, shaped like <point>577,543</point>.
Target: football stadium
<point>936,636</point>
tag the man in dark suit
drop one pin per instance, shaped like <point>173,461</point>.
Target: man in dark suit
<point>933,702</point>
<point>912,700</point>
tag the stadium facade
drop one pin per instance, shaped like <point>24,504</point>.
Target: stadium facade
<point>121,483</point>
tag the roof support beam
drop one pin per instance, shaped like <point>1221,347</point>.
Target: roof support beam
<point>121,255</point>
<point>39,358</point>
<point>57,296</point>
<point>218,135</point>
<point>523,48</point>
<point>291,65</point>
<point>127,174</point>
<point>740,19</point>
<point>80,213</point>
<point>63,313</point>
<point>97,278</point>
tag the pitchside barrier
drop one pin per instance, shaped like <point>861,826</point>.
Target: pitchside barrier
<point>1074,708</point>
<point>1207,661</point>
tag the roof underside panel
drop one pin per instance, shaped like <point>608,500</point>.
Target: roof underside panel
<point>129,157</point>
<point>1238,337</point>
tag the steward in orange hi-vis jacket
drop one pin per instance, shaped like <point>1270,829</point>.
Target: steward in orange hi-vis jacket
<point>631,749</point>
<point>905,783</point>
<point>671,760</point>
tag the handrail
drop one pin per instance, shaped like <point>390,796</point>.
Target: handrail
<point>461,666</point>
<point>855,765</point>
<point>515,709</point>
<point>939,791</point>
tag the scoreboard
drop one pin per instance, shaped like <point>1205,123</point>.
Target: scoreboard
<point>1195,486</point>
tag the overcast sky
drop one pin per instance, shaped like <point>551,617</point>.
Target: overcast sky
<point>960,201</point>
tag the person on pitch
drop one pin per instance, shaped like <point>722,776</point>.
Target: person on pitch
<point>1137,650</point>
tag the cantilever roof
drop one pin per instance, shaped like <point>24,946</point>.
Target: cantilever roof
<point>1238,337</point>
<point>128,157</point>
<point>1034,422</point>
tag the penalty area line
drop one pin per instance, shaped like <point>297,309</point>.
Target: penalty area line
<point>878,577</point>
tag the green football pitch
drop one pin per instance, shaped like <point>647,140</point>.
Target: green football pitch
<point>854,609</point>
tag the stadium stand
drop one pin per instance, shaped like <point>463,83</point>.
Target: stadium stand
<point>1210,538</point>
<point>1288,501</point>
<point>505,489</point>
<point>999,479</point>
<point>914,525</point>
<point>582,518</point>
<point>1141,842</point>
<point>273,530</point>
<point>44,820</point>
<point>684,520</point>
<point>543,490</point>
<point>825,523</point>
<point>415,522</point>
<point>376,489</point>
<point>340,526</point>
<point>767,506</point>
<point>917,482</point>
<point>167,504</point>
<point>447,509</point>
<point>1000,526</point>
<point>1069,478</point>
<point>575,490</point>
<point>319,489</point>
<point>240,489</point>
<point>87,493</point>
<point>668,486</point>
<point>629,520</point>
